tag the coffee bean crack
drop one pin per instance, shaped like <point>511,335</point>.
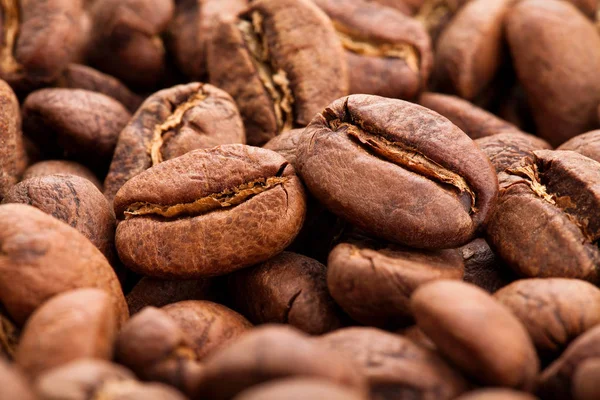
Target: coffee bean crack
<point>9,336</point>
<point>172,122</point>
<point>274,79</point>
<point>354,43</point>
<point>10,21</point>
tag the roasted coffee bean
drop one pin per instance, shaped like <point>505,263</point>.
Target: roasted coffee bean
<point>156,348</point>
<point>436,14</point>
<point>270,353</point>
<point>470,50</point>
<point>126,41</point>
<point>13,383</point>
<point>230,207</point>
<point>39,39</point>
<point>286,144</point>
<point>556,381</point>
<point>73,200</point>
<point>398,171</point>
<point>98,379</point>
<point>42,257</point>
<point>192,29</point>
<point>496,394</point>
<point>395,367</point>
<point>388,53</point>
<point>554,311</point>
<point>545,224</point>
<point>11,139</point>
<point>170,123</point>
<point>299,389</point>
<point>506,149</point>
<point>77,324</point>
<point>75,123</point>
<point>483,267</point>
<point>159,292</point>
<point>289,289</point>
<point>77,76</point>
<point>557,73</point>
<point>9,336</point>
<point>587,144</point>
<point>282,63</point>
<point>585,380</point>
<point>373,281</point>
<point>472,120</point>
<point>60,167</point>
<point>497,352</point>
<point>407,7</point>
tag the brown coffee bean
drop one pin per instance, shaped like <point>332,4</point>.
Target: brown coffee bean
<point>388,53</point>
<point>98,379</point>
<point>282,63</point>
<point>77,76</point>
<point>406,7</point>
<point>557,380</point>
<point>158,292</point>
<point>13,384</point>
<point>76,324</point>
<point>9,336</point>
<point>472,120</point>
<point>587,144</point>
<point>40,38</point>
<point>559,77</point>
<point>497,352</point>
<point>483,267</point>
<point>554,311</point>
<point>288,289</point>
<point>126,40</point>
<point>585,380</point>
<point>371,161</point>
<point>270,353</point>
<point>545,224</point>
<point>505,149</point>
<point>470,50</point>
<point>156,348</point>
<point>496,394</point>
<point>211,326</point>
<point>395,367</point>
<point>372,281</point>
<point>42,257</point>
<point>73,200</point>
<point>170,123</point>
<point>192,29</point>
<point>60,167</point>
<point>12,150</point>
<point>436,14</point>
<point>75,123</point>
<point>588,7</point>
<point>299,389</point>
<point>286,144</point>
<point>240,205</point>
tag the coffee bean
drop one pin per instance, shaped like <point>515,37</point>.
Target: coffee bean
<point>496,394</point>
<point>75,123</point>
<point>270,353</point>
<point>383,164</point>
<point>78,380</point>
<point>14,384</point>
<point>483,267</point>
<point>544,224</point>
<point>42,257</point>
<point>563,99</point>
<point>277,60</point>
<point>506,149</point>
<point>77,324</point>
<point>60,167</point>
<point>170,123</point>
<point>12,150</point>
<point>286,144</point>
<point>587,144</point>
<point>73,200</point>
<point>388,53</point>
<point>288,289</point>
<point>585,380</point>
<point>209,199</point>
<point>395,367</point>
<point>373,281</point>
<point>299,389</point>
<point>450,313</point>
<point>554,311</point>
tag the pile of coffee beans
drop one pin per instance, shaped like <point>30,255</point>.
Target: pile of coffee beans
<point>299,199</point>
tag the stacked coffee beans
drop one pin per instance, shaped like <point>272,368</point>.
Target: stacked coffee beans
<point>299,199</point>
